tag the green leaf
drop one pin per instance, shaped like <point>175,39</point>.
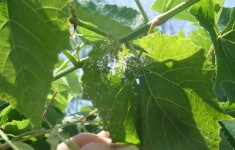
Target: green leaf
<point>108,92</point>
<point>224,144</point>
<point>229,108</point>
<point>224,18</point>
<point>201,38</point>
<point>22,146</point>
<point>32,33</point>
<point>54,116</point>
<point>229,131</point>
<point>229,91</point>
<point>53,139</point>
<point>73,82</point>
<point>169,94</point>
<point>59,85</point>
<point>61,100</point>
<point>9,114</point>
<point>113,19</point>
<point>188,76</point>
<point>204,13</point>
<point>224,43</point>
<point>230,25</point>
<point>225,52</point>
<point>16,127</point>
<point>40,143</point>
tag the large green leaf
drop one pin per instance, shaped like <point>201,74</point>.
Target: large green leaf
<point>110,93</point>
<point>225,52</point>
<point>223,43</point>
<point>167,100</point>
<point>113,19</point>
<point>226,56</point>
<point>32,33</point>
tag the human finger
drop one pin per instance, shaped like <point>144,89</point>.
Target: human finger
<point>104,134</point>
<point>101,146</point>
<point>83,139</point>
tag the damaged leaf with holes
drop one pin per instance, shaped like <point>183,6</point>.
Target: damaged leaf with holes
<point>169,93</point>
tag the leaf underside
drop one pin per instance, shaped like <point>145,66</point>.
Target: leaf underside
<point>223,42</point>
<point>165,101</point>
<point>31,36</point>
<point>116,20</point>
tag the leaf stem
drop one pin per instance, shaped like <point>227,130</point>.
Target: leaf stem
<point>142,10</point>
<point>161,19</point>
<point>4,136</point>
<point>63,66</point>
<point>70,69</point>
<point>92,28</point>
<point>70,57</point>
<point>131,47</point>
<point>136,33</point>
<point>211,50</point>
<point>49,105</point>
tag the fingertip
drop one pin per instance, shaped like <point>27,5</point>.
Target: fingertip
<point>104,134</point>
<point>62,146</point>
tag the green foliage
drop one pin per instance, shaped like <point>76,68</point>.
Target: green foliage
<point>21,145</point>
<point>29,48</point>
<point>200,38</point>
<point>223,43</point>
<point>122,19</point>
<point>156,92</point>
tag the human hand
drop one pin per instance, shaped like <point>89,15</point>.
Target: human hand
<point>101,141</point>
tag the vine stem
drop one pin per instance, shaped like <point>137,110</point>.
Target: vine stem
<point>49,105</point>
<point>142,10</point>
<point>63,66</point>
<point>9,142</point>
<point>92,28</point>
<point>70,69</point>
<point>70,57</point>
<point>161,19</point>
<point>211,50</point>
